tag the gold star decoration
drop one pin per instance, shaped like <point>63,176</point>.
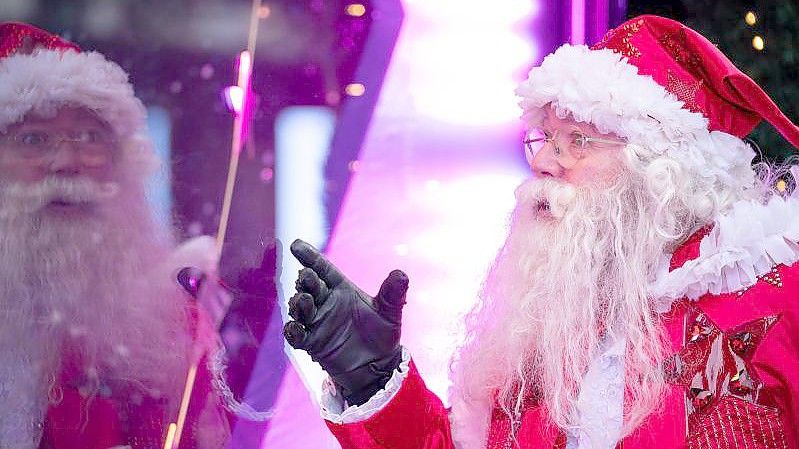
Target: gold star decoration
<point>685,91</point>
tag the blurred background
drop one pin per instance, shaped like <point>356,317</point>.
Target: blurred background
<point>385,132</point>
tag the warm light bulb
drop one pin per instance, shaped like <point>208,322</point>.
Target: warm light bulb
<point>750,18</point>
<point>356,10</point>
<point>355,89</point>
<point>758,43</point>
<point>782,185</point>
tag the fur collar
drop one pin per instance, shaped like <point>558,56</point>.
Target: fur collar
<point>745,243</point>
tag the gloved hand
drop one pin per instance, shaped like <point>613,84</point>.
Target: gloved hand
<point>353,336</point>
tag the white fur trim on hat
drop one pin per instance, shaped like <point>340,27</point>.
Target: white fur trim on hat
<point>602,88</point>
<point>47,79</point>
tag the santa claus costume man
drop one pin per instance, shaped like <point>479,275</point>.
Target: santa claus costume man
<point>94,331</point>
<point>644,297</point>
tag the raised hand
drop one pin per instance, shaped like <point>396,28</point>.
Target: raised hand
<point>353,336</point>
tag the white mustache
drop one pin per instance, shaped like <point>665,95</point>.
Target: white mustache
<point>77,190</point>
<point>27,198</point>
<point>546,197</point>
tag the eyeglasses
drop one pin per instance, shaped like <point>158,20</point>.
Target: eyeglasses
<point>95,147</point>
<point>576,146</point>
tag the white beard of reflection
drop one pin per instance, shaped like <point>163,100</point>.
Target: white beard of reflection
<point>86,291</point>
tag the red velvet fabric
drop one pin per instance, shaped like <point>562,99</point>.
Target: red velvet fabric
<point>698,73</point>
<point>13,36</point>
<point>76,423</point>
<point>126,417</point>
<point>415,418</point>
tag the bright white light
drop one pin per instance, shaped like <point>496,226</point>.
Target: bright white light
<point>401,249</point>
<point>466,217</point>
<point>467,78</point>
<point>245,69</point>
<point>159,189</point>
<point>456,200</point>
<point>432,185</point>
<point>302,141</point>
<point>235,96</point>
<point>418,203</point>
<point>472,12</point>
<point>234,99</point>
<point>465,57</point>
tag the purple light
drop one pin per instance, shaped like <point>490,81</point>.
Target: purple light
<point>601,15</point>
<point>237,97</point>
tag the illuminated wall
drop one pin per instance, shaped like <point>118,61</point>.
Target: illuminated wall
<point>434,183</point>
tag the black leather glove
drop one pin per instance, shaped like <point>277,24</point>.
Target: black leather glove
<point>353,336</point>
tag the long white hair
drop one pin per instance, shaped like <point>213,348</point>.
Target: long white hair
<point>568,278</point>
<point>91,296</point>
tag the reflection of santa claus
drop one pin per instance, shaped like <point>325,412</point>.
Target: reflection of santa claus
<point>644,296</point>
<point>95,331</point>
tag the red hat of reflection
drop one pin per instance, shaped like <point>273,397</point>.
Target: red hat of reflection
<point>23,38</point>
<point>698,74</point>
<point>40,72</point>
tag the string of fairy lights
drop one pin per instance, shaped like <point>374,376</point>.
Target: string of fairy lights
<point>758,43</point>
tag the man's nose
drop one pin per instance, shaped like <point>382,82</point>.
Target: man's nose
<point>545,164</point>
<point>65,159</point>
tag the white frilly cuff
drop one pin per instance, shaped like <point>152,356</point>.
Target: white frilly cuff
<point>745,243</point>
<point>334,408</point>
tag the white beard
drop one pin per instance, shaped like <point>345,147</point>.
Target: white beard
<point>87,293</point>
<point>564,280</point>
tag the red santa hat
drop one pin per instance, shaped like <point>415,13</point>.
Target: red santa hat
<point>41,72</point>
<point>663,86</point>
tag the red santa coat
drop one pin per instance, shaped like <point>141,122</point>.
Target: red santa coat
<point>126,416</point>
<point>130,418</point>
<point>734,381</point>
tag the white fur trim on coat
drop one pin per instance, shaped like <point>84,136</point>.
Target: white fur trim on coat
<point>745,243</point>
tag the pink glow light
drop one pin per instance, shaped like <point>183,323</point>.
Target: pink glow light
<point>578,22</point>
<point>433,200</point>
<point>237,97</point>
<point>464,58</point>
<point>245,70</point>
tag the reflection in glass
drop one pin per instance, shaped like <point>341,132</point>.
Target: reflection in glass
<point>99,333</point>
